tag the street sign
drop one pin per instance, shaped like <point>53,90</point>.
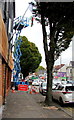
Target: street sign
<point>23,87</point>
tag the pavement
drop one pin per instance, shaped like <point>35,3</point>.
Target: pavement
<point>0,112</point>
<point>25,105</point>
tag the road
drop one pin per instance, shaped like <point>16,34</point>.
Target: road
<point>68,108</point>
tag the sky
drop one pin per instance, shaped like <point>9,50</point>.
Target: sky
<point>34,34</point>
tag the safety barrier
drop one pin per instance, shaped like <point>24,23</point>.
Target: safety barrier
<point>23,87</point>
<point>35,89</point>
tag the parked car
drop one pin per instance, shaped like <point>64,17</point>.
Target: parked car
<point>56,81</point>
<point>64,93</point>
<point>70,81</point>
<point>30,81</point>
<point>35,82</point>
<point>41,80</point>
<point>43,88</point>
<point>63,81</point>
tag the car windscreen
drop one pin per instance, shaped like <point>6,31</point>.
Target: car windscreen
<point>69,88</point>
<point>44,84</point>
<point>35,80</point>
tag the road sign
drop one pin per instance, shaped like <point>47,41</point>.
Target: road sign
<point>23,87</point>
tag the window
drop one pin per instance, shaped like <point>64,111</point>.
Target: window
<point>60,87</point>
<point>10,23</point>
<point>44,84</point>
<point>41,84</point>
<point>69,88</point>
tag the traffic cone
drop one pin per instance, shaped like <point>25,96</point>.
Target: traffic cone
<point>36,90</point>
<point>31,91</point>
<point>13,89</point>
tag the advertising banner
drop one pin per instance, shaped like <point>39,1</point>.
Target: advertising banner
<point>61,74</point>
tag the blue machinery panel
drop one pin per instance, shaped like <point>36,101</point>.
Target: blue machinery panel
<point>18,25</point>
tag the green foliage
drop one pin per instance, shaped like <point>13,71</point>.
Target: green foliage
<point>60,19</point>
<point>40,68</point>
<point>30,58</point>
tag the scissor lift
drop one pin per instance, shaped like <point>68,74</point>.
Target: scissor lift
<point>18,25</point>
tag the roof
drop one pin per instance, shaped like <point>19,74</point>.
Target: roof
<point>57,67</point>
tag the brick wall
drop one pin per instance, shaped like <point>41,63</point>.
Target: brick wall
<point>3,39</point>
<point>0,81</point>
<point>3,78</point>
<point>4,43</point>
<point>6,65</point>
<point>0,62</point>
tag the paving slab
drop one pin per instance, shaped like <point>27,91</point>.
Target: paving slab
<point>25,105</point>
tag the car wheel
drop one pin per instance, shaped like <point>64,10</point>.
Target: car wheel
<point>61,101</point>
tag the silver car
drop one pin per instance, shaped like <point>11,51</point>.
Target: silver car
<point>64,93</point>
<point>43,88</point>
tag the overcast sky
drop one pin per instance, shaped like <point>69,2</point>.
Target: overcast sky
<point>34,34</point>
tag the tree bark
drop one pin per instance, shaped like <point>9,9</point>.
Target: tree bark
<point>49,57</point>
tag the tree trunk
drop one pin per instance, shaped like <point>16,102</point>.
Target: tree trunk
<point>49,57</point>
<point>50,64</point>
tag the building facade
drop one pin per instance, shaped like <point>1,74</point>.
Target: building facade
<point>60,71</point>
<point>70,71</point>
<point>7,14</point>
